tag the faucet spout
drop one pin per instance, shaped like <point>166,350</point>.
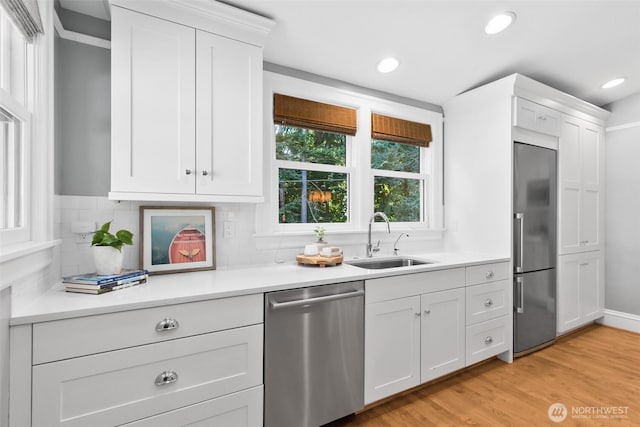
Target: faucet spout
<point>395,245</point>
<point>370,248</point>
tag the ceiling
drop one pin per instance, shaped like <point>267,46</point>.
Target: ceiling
<point>574,46</point>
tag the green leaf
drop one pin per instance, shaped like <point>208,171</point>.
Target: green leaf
<point>97,238</point>
<point>105,227</point>
<point>125,236</point>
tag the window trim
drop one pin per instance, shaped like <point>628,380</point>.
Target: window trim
<point>359,158</point>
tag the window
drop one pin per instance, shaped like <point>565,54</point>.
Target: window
<point>338,156</point>
<point>311,149</point>
<point>399,176</point>
<point>16,63</point>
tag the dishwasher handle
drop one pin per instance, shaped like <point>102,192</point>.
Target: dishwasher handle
<point>317,300</point>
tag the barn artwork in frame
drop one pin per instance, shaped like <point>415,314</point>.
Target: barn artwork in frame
<point>177,239</point>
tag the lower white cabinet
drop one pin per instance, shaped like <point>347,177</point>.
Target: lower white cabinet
<point>392,347</point>
<point>488,338</point>
<point>580,289</point>
<point>442,333</point>
<point>242,409</point>
<point>412,340</point>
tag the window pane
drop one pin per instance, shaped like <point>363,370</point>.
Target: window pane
<point>399,198</point>
<point>392,156</point>
<point>305,145</point>
<point>311,196</point>
<point>11,176</point>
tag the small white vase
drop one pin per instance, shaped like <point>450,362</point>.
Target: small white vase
<point>108,260</point>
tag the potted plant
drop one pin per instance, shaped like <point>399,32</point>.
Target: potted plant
<point>320,243</point>
<point>107,249</point>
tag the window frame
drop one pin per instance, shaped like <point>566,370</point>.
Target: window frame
<point>361,174</point>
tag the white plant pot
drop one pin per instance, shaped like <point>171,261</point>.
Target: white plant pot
<point>108,260</point>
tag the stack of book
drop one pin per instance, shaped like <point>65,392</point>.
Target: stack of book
<point>92,283</point>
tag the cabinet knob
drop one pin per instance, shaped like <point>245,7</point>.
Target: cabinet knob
<point>205,173</point>
<point>167,377</point>
<point>488,340</point>
<point>187,171</point>
<point>584,242</point>
<point>167,324</point>
<point>427,311</point>
<point>417,314</point>
<point>489,274</point>
<point>584,264</point>
<point>488,302</point>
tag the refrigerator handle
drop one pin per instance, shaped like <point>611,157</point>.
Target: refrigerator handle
<point>519,267</point>
<point>520,288</point>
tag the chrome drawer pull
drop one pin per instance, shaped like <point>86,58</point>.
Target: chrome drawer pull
<point>489,274</point>
<point>488,340</point>
<point>167,324</point>
<point>417,314</point>
<point>427,312</point>
<point>167,377</point>
<point>488,302</point>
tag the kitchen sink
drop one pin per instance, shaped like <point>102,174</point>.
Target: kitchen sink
<point>378,264</point>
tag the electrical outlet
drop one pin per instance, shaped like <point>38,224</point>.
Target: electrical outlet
<point>228,230</point>
<point>84,238</point>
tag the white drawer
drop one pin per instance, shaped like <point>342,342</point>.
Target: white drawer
<point>488,301</point>
<point>488,338</point>
<point>536,117</point>
<point>117,387</point>
<point>387,288</point>
<point>63,339</point>
<point>486,273</point>
<point>242,409</point>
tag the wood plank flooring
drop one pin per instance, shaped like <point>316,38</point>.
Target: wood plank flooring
<point>594,369</point>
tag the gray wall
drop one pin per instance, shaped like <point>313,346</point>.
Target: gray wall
<point>83,119</point>
<point>622,207</point>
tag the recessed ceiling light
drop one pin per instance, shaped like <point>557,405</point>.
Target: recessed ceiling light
<point>500,22</point>
<point>387,65</point>
<point>613,83</point>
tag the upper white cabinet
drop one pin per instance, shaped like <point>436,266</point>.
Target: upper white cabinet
<point>536,117</point>
<point>580,174</point>
<point>186,105</point>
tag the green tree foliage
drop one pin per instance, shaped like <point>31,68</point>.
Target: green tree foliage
<point>305,145</point>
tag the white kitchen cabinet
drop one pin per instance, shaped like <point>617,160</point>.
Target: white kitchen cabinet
<point>536,117</point>
<point>187,371</point>
<point>581,207</point>
<point>580,289</point>
<point>186,111</point>
<point>392,347</point>
<point>442,333</point>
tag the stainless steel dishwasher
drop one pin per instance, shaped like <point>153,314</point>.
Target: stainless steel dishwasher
<point>314,354</point>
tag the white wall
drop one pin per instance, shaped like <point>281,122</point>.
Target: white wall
<point>622,206</point>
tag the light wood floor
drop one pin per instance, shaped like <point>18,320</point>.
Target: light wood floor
<point>594,367</point>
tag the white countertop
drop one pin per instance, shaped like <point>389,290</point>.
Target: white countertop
<point>186,287</point>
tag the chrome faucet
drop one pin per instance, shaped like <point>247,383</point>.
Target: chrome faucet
<point>395,245</point>
<point>370,248</point>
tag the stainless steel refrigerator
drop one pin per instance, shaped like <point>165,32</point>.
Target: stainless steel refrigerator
<point>534,247</point>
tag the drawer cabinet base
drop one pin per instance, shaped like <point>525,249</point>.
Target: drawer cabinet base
<point>488,338</point>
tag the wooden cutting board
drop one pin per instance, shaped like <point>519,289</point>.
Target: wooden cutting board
<point>319,260</point>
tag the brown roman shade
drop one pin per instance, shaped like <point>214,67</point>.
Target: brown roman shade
<point>399,130</point>
<point>291,111</point>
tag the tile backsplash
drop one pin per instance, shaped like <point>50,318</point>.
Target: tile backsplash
<point>243,248</point>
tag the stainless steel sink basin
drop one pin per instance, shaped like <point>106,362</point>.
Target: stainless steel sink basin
<point>378,264</point>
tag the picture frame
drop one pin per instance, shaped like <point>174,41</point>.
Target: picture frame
<point>177,239</point>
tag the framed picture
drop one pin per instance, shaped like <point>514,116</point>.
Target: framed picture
<point>176,238</point>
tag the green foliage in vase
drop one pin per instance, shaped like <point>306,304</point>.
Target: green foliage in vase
<point>102,237</point>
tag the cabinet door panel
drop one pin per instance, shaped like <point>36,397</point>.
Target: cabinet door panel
<point>153,104</point>
<point>569,307</point>
<point>590,286</point>
<point>569,169</point>
<point>442,333</point>
<point>392,347</point>
<point>229,121</point>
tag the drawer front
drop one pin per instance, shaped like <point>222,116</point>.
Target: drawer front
<point>486,273</point>
<point>488,301</point>
<point>242,409</point>
<point>488,338</point>
<point>64,339</point>
<point>126,385</point>
<point>536,117</point>
<point>386,288</point>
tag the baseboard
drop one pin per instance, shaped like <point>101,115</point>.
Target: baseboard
<point>618,319</point>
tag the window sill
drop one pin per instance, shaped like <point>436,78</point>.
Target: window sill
<point>297,239</point>
<point>20,260</point>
